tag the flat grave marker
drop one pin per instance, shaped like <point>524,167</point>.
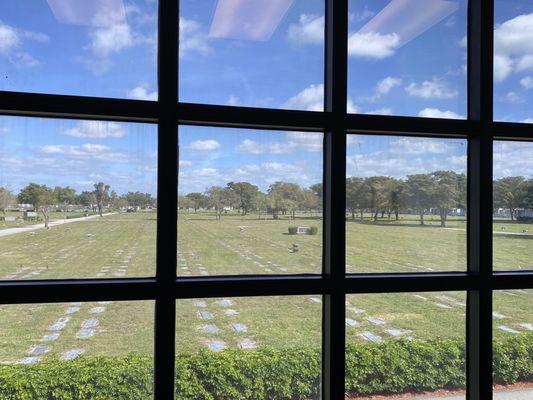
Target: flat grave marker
<point>239,327</point>
<point>507,329</point>
<point>371,337</point>
<point>375,321</point>
<point>351,322</point>
<point>72,354</point>
<point>216,345</point>
<point>247,344</point>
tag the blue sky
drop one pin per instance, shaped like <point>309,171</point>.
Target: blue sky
<point>406,57</point>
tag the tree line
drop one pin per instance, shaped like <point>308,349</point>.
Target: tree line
<point>45,199</point>
<point>439,192</point>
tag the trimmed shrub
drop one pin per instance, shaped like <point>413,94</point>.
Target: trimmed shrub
<point>293,230</point>
<point>266,373</point>
<point>313,230</point>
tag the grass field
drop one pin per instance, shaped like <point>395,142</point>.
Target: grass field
<point>123,245</point>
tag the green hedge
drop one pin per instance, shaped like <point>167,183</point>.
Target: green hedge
<point>265,373</point>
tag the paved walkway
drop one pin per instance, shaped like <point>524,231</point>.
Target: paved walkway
<point>498,395</point>
<point>493,232</point>
<point>13,231</point>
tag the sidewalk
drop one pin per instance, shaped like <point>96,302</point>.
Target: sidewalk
<point>13,231</point>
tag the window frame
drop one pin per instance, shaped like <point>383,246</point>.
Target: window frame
<point>479,280</point>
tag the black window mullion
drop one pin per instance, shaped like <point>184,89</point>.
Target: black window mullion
<point>165,312</point>
<point>336,52</point>
<point>480,207</point>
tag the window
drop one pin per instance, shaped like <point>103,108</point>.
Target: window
<point>407,58</point>
<point>104,48</point>
<point>265,229</point>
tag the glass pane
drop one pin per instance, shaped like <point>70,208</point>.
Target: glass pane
<point>405,204</point>
<point>513,344</point>
<point>513,61</point>
<point>407,57</point>
<point>77,199</point>
<point>252,53</point>
<point>77,350</point>
<point>401,346</point>
<point>252,347</point>
<point>105,48</point>
<point>249,202</point>
<point>513,205</point>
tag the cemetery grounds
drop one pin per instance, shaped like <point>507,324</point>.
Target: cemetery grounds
<point>123,245</point>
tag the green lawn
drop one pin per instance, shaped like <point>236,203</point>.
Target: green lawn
<point>124,245</point>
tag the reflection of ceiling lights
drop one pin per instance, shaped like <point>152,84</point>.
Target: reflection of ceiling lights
<point>248,19</point>
<point>408,19</point>
<point>101,13</point>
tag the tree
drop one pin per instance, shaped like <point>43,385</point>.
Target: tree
<point>246,195</point>
<point>421,193</point>
<point>357,195</point>
<point>101,195</point>
<point>528,201</point>
<point>65,196</point>
<point>318,190</point>
<point>285,197</point>
<point>87,199</point>
<point>447,192</point>
<point>397,197</point>
<point>262,204</point>
<point>510,193</point>
<point>198,200</point>
<point>41,197</point>
<point>184,202</point>
<point>220,198</point>
<point>310,201</point>
<point>139,199</point>
<point>6,199</point>
<point>379,194</point>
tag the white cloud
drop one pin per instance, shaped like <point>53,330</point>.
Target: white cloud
<point>309,99</point>
<point>192,38</point>
<point>308,30</point>
<point>503,66</point>
<point>312,99</point>
<point>4,130</point>
<point>385,85</point>
<point>96,130</point>
<point>527,121</point>
<point>436,113</point>
<point>513,46</point>
<point>401,156</point>
<point>352,108</point>
<point>513,159</point>
<point>380,111</point>
<point>437,88</point>
<point>233,101</point>
<point>11,40</point>
<point>372,45</point>
<point>112,39</point>
<point>87,151</point>
<point>204,145</point>
<point>37,36</point>
<point>362,15</point>
<point>185,163</point>
<point>142,92</point>
<point>419,145</point>
<point>514,98</point>
<point>295,142</point>
<point>250,146</point>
